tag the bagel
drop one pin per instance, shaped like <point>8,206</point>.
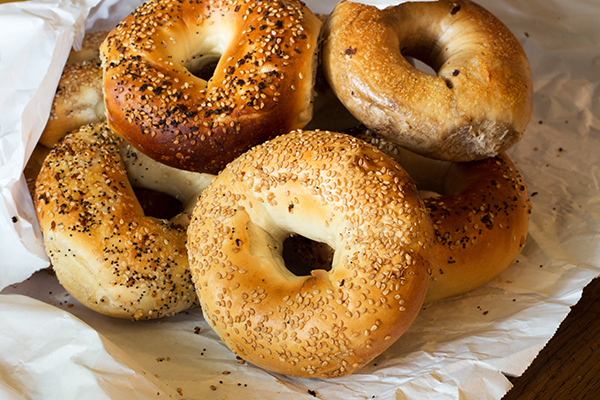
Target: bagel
<point>480,213</point>
<point>330,188</point>
<point>78,101</point>
<point>478,103</point>
<point>90,48</point>
<point>261,86</point>
<point>106,253</point>
<point>33,166</point>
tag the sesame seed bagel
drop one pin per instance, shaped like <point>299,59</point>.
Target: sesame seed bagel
<point>330,188</point>
<point>104,250</point>
<point>261,86</point>
<point>476,105</point>
<point>90,48</point>
<point>79,99</point>
<point>480,211</point>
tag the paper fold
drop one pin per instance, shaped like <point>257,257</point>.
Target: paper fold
<point>76,363</point>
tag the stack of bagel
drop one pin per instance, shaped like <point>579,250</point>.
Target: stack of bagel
<point>416,203</point>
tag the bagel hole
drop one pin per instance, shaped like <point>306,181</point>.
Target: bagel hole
<point>158,204</point>
<point>421,66</point>
<point>302,255</point>
<point>429,194</point>
<point>202,66</point>
<point>428,68</point>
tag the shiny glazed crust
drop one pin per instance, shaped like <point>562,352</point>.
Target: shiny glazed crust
<point>261,87</point>
<point>330,188</point>
<point>478,104</point>
<point>481,216</point>
<point>105,251</point>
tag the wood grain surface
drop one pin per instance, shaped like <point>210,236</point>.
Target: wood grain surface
<point>569,366</point>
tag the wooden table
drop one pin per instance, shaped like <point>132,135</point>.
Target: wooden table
<point>569,366</point>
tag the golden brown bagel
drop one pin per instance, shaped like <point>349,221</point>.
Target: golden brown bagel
<point>480,215</point>
<point>330,188</point>
<point>90,48</point>
<point>480,225</point>
<point>78,101</point>
<point>261,87</point>
<point>477,105</point>
<point>105,251</point>
<point>33,166</point>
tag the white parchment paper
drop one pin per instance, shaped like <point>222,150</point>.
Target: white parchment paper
<point>53,348</point>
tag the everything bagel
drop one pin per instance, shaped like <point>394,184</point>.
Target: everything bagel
<point>106,253</point>
<point>261,87</point>
<point>477,104</point>
<point>480,213</point>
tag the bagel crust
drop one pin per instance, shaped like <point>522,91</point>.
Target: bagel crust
<point>480,215</point>
<point>104,250</point>
<point>333,189</point>
<point>90,48</point>
<point>480,225</point>
<point>78,101</point>
<point>261,86</point>
<point>478,103</point>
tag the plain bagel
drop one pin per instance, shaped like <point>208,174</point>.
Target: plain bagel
<point>261,87</point>
<point>477,104</point>
<point>331,188</point>
<point>106,253</point>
